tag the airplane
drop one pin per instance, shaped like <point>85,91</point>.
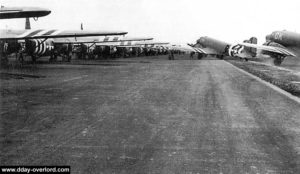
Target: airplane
<point>180,48</point>
<point>246,50</point>
<point>22,12</point>
<point>86,45</point>
<point>127,48</point>
<point>39,42</point>
<point>101,39</point>
<point>93,46</point>
<point>150,43</point>
<point>286,40</point>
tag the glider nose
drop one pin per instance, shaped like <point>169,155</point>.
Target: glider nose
<point>40,11</point>
<point>46,12</point>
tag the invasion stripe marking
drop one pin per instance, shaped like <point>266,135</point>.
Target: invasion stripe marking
<point>286,51</point>
<point>44,47</point>
<point>56,32</point>
<point>41,33</point>
<point>25,33</point>
<point>40,47</point>
<point>49,32</point>
<point>116,39</point>
<point>36,42</point>
<point>106,39</point>
<point>33,33</point>
<point>198,50</point>
<point>282,51</point>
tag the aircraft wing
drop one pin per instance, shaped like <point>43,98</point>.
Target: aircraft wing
<point>202,50</point>
<point>199,50</point>
<point>99,39</point>
<point>269,48</point>
<point>116,43</point>
<point>151,43</point>
<point>22,12</point>
<point>45,34</point>
<point>205,50</point>
<point>129,46</point>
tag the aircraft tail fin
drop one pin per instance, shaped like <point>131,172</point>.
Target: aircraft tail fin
<point>253,51</point>
<point>27,24</point>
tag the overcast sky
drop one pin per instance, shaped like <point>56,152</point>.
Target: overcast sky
<point>176,21</point>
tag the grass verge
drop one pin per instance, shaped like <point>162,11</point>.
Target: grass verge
<point>286,80</point>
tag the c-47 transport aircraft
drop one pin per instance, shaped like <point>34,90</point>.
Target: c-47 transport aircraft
<point>38,42</point>
<point>207,45</point>
<point>286,40</point>
<point>90,44</point>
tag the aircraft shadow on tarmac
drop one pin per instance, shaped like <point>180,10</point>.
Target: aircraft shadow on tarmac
<point>7,76</point>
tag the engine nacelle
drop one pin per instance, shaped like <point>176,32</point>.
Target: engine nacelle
<point>274,44</point>
<point>235,50</point>
<point>39,47</point>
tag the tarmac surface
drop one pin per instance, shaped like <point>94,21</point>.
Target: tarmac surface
<point>147,115</point>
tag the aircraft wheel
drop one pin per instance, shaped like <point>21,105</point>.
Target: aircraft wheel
<point>278,61</point>
<point>4,61</point>
<point>200,56</point>
<point>69,58</point>
<point>33,58</point>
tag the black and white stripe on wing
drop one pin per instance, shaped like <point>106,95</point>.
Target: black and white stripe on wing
<point>285,51</point>
<point>35,33</point>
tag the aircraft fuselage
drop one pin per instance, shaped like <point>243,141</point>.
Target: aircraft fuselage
<point>208,42</point>
<point>22,12</point>
<point>285,38</point>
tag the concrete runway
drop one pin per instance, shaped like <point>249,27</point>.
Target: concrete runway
<point>148,116</point>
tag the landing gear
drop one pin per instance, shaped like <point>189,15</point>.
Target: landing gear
<point>69,58</point>
<point>33,58</point>
<point>21,58</point>
<point>4,61</point>
<point>278,60</point>
<point>53,56</point>
<point>200,56</point>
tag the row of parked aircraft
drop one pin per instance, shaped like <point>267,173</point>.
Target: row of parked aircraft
<point>36,43</point>
<point>52,42</point>
<point>278,45</point>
